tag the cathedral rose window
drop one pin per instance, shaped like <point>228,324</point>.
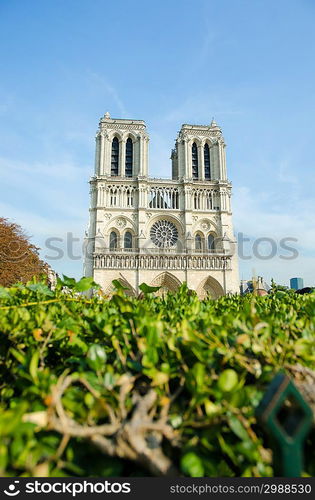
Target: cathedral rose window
<point>164,233</point>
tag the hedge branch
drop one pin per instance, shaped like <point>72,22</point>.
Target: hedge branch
<point>132,435</point>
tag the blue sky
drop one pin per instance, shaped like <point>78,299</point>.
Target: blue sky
<point>248,63</point>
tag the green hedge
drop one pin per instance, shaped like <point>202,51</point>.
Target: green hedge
<point>180,374</point>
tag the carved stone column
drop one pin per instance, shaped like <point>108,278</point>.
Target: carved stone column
<point>145,160</point>
<point>121,166</point>
<point>101,155</point>
<point>107,154</point>
<point>188,160</point>
<point>141,165</point>
<point>123,157</point>
<point>97,153</point>
<point>201,163</point>
<point>224,174</point>
<point>222,159</point>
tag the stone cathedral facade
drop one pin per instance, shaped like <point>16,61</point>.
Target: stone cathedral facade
<point>159,231</point>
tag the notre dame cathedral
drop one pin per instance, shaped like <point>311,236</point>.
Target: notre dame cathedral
<point>158,231</point>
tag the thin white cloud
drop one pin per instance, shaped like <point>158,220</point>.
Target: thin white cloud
<point>255,217</point>
<point>159,159</point>
<point>60,170</point>
<point>104,87</point>
<point>49,187</point>
<point>193,109</point>
<point>285,174</point>
<point>40,226</point>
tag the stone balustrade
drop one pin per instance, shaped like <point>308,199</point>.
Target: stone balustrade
<point>178,261</point>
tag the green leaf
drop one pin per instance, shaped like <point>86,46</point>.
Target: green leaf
<point>3,456</point>
<point>199,371</point>
<point>41,289</point>
<point>119,286</point>
<point>3,293</point>
<point>85,284</point>
<point>33,368</point>
<point>238,428</point>
<point>96,357</point>
<point>151,357</point>
<point>10,420</point>
<point>7,392</point>
<point>89,400</point>
<point>191,465</point>
<point>176,421</point>
<point>159,378</point>
<point>228,380</point>
<point>109,380</point>
<point>122,304</point>
<point>66,281</point>
<point>211,408</point>
<point>148,289</point>
<point>21,358</point>
<point>227,449</point>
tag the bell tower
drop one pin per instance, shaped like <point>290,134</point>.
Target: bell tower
<point>199,153</point>
<point>121,148</point>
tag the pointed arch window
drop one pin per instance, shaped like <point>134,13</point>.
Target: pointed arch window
<point>113,241</point>
<point>206,153</point>
<point>128,240</point>
<point>197,201</point>
<point>209,201</point>
<point>115,156</point>
<point>194,158</point>
<point>198,242</point>
<point>129,198</point>
<point>211,242</point>
<point>129,158</point>
<point>113,197</point>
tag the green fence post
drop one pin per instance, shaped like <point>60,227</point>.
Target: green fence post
<point>287,418</point>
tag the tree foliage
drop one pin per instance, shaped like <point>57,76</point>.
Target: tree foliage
<point>19,259</point>
<point>143,386</point>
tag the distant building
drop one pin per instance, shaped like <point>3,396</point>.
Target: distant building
<point>258,285</point>
<point>296,283</point>
<point>307,289</point>
<point>52,278</point>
